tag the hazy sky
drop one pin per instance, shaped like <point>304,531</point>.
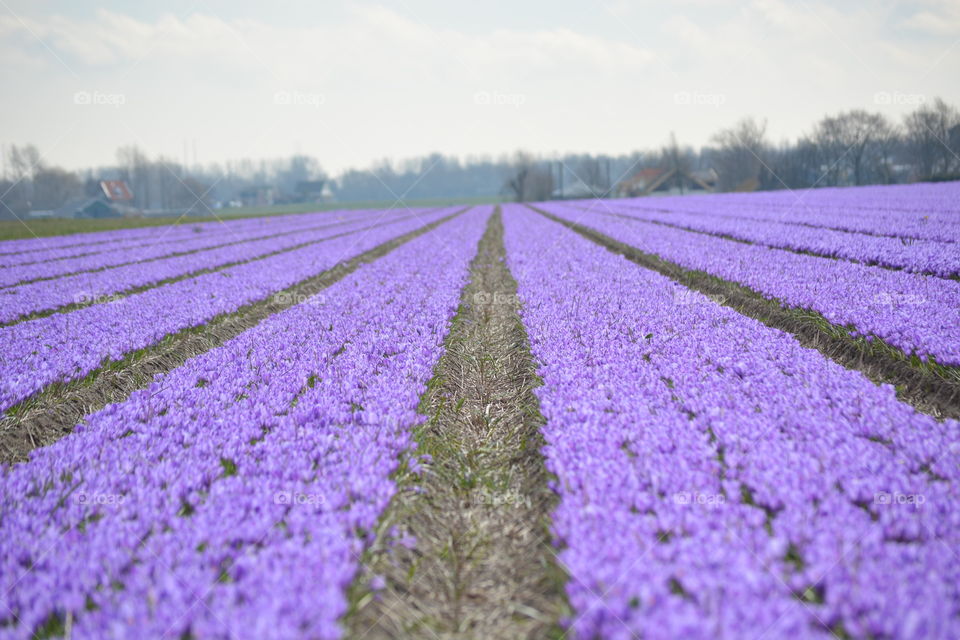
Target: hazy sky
<point>353,82</point>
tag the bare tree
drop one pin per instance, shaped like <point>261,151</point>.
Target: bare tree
<point>134,169</point>
<point>527,180</point>
<point>298,169</point>
<point>677,160</point>
<point>24,163</point>
<point>520,170</point>
<point>932,137</point>
<point>591,171</point>
<point>54,186</point>
<point>882,156</point>
<point>739,157</point>
<point>849,141</point>
<point>539,185</point>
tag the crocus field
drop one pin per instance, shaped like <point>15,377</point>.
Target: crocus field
<point>714,476</point>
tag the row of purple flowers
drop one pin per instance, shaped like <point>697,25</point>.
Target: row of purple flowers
<point>718,480</point>
<point>68,346</point>
<point>170,241</point>
<point>917,314</point>
<point>234,496</point>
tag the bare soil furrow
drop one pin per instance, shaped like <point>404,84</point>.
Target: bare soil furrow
<point>482,565</point>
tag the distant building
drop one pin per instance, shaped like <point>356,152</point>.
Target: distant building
<point>312,191</point>
<point>257,196</point>
<point>578,190</point>
<point>115,202</point>
<point>647,181</point>
<point>642,182</point>
<point>82,207</point>
<point>706,178</point>
<point>116,191</point>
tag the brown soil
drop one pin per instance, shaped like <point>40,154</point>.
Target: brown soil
<point>482,566</point>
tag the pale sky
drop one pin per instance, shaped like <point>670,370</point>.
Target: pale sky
<point>354,82</point>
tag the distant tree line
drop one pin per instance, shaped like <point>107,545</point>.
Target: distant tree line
<point>854,147</point>
<point>849,148</point>
<point>158,185</point>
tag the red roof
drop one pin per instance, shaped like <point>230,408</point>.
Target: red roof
<point>116,190</point>
<point>648,174</point>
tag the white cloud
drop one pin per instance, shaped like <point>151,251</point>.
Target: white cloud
<point>374,37</point>
<point>393,85</point>
<point>938,18</point>
<point>939,24</point>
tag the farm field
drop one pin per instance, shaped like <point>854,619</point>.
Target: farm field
<point>718,416</point>
<point>47,227</point>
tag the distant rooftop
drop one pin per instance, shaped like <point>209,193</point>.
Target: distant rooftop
<point>116,190</point>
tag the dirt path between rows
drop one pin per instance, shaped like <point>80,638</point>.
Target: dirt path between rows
<point>51,414</point>
<point>934,393</point>
<point>482,565</point>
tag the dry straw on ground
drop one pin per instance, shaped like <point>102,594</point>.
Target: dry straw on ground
<point>482,565</point>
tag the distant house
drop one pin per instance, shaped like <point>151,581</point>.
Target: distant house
<point>83,207</point>
<point>257,196</point>
<point>578,190</point>
<point>88,208</point>
<point>642,182</point>
<point>706,177</point>
<point>114,203</point>
<point>311,191</point>
<point>647,181</point>
<point>116,191</point>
